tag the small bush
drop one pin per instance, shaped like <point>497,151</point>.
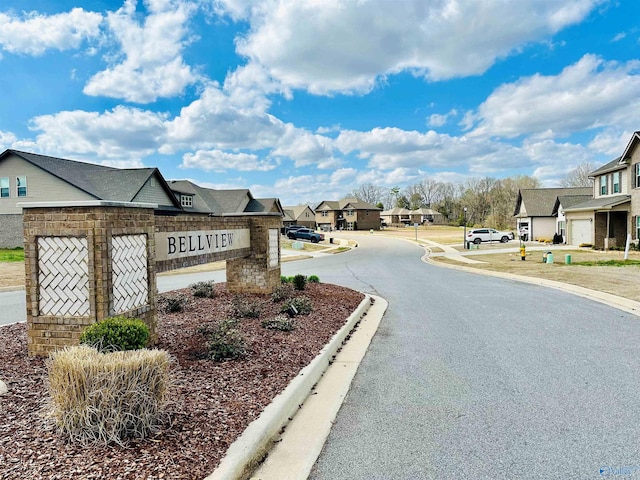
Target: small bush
<point>280,322</point>
<point>313,279</point>
<point>172,304</point>
<point>226,341</point>
<point>245,308</point>
<point>281,292</point>
<point>300,282</point>
<point>203,289</point>
<point>301,304</point>
<point>116,333</point>
<point>284,279</point>
<point>108,397</point>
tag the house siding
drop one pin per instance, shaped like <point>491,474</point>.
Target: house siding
<point>635,194</point>
<point>41,185</point>
<point>152,192</point>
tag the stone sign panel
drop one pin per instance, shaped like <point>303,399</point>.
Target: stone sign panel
<point>171,245</point>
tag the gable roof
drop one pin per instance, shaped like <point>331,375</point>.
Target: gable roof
<point>612,166</point>
<point>346,202</point>
<point>264,205</point>
<point>99,181</point>
<point>635,138</point>
<point>540,202</point>
<point>297,210</point>
<point>568,201</point>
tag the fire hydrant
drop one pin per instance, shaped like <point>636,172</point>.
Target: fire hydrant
<point>523,253</point>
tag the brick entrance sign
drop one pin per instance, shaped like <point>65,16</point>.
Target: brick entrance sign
<point>85,261</point>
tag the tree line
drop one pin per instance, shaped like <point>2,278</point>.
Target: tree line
<point>488,201</point>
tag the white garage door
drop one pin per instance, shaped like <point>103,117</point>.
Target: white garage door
<point>580,232</point>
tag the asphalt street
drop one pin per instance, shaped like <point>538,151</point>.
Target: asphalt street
<point>473,377</point>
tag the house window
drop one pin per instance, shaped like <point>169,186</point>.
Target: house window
<point>21,185</point>
<point>562,227</point>
<point>616,182</point>
<point>324,213</point>
<point>350,213</point>
<point>603,185</point>
<point>638,226</point>
<point>4,188</point>
<point>636,169</point>
<point>186,200</point>
<point>306,214</point>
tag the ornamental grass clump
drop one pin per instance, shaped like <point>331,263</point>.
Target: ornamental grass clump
<point>116,333</point>
<point>108,398</point>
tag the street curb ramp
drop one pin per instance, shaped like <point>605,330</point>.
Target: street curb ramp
<point>256,441</point>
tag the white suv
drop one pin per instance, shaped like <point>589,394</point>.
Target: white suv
<point>480,235</point>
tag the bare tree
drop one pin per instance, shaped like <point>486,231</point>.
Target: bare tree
<point>579,176</point>
<point>369,193</point>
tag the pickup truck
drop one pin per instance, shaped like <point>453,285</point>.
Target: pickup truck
<point>305,234</point>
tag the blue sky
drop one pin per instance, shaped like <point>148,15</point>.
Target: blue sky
<point>307,100</point>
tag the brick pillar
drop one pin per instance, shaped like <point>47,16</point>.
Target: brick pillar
<point>86,261</point>
<point>260,271</point>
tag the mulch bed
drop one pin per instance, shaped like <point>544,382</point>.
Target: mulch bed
<point>213,401</point>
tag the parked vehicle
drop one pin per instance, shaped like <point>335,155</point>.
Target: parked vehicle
<point>292,228</point>
<point>305,234</point>
<point>480,235</point>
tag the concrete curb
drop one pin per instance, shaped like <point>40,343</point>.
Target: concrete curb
<point>621,303</point>
<point>250,448</point>
<point>298,448</point>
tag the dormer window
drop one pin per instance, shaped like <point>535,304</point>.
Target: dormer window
<point>186,200</point>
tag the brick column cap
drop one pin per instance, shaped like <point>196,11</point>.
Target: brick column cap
<point>87,203</point>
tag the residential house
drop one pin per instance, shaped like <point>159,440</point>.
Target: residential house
<point>403,216</point>
<point>534,210</point>
<point>299,215</point>
<point>614,211</point>
<point>197,199</point>
<point>562,203</point>
<point>29,177</point>
<point>347,214</point>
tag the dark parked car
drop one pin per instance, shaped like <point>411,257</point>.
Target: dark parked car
<point>305,234</point>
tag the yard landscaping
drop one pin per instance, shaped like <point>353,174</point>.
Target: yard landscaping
<point>213,401</point>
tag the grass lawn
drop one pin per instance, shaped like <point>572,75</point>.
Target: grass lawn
<point>11,255</point>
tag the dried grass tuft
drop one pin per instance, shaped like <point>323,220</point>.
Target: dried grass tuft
<point>108,397</point>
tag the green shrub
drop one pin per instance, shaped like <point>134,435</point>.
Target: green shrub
<point>282,292</point>
<point>108,397</point>
<point>203,289</point>
<point>300,282</point>
<point>116,333</point>
<point>313,279</point>
<point>244,308</point>
<point>171,303</point>
<point>302,305</point>
<point>226,341</point>
<point>284,279</point>
<point>280,322</point>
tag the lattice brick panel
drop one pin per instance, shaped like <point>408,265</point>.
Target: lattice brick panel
<point>130,281</point>
<point>63,276</point>
<point>273,247</point>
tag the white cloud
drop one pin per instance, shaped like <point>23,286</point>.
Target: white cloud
<point>212,121</point>
<point>305,148</point>
<point>589,94</point>
<point>219,161</point>
<point>438,120</point>
<point>151,63</point>
<point>34,33</point>
<point>7,139</point>
<point>350,45</point>
<point>102,135</point>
